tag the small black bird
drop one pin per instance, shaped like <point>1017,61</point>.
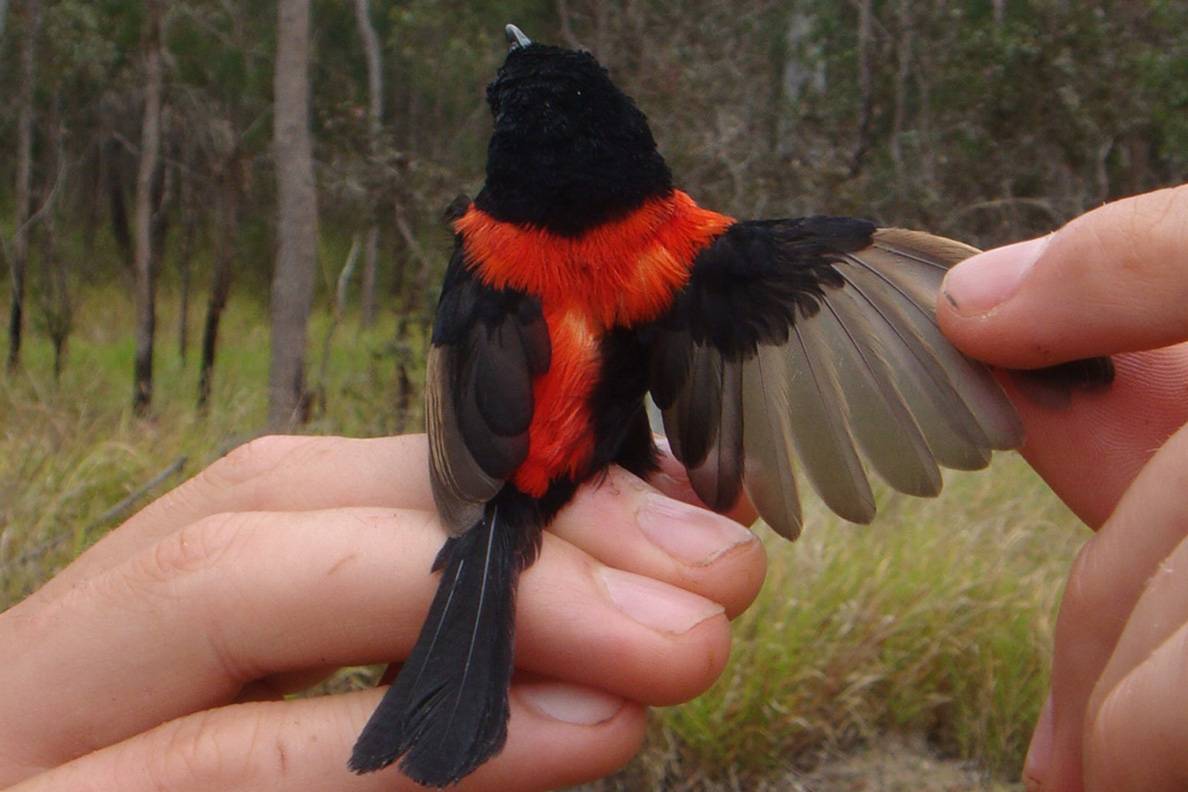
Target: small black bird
<point>581,280</point>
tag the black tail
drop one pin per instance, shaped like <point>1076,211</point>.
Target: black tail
<point>447,711</point>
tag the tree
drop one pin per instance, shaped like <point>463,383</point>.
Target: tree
<point>375,111</point>
<point>220,286</point>
<point>150,145</point>
<point>24,177</point>
<point>297,207</point>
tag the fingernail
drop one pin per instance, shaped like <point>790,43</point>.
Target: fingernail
<point>657,605</point>
<point>580,706</point>
<point>981,283</point>
<point>1039,754</point>
<point>687,533</point>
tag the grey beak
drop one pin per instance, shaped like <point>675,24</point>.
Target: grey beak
<point>516,37</point>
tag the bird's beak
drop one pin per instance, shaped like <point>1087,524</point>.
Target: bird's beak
<point>516,37</point>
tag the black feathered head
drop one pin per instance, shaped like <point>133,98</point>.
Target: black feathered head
<point>570,149</point>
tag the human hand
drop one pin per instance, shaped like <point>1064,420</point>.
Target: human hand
<point>1114,281</point>
<point>161,657</point>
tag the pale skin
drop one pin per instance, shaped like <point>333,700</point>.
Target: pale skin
<point>1114,281</point>
<point>160,657</point>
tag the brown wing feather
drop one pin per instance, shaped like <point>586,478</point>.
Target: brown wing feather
<point>487,346</point>
<point>840,354</point>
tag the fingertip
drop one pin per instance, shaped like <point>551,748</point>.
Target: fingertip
<point>673,480</point>
<point>1109,281</point>
<point>977,286</point>
<point>1039,752</point>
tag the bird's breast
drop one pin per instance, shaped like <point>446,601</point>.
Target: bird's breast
<point>623,273</point>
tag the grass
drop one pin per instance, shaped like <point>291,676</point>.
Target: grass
<point>936,621</point>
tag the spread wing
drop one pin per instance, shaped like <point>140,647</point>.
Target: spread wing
<point>487,346</point>
<point>812,343</point>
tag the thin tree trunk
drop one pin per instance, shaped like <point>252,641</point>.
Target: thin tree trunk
<point>903,73</point>
<point>296,255</point>
<point>184,264</point>
<point>150,145</point>
<point>375,112</point>
<point>59,318</point>
<point>220,287</point>
<point>57,309</point>
<point>865,84</point>
<point>117,203</point>
<point>24,178</point>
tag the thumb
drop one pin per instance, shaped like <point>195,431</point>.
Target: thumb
<point>1113,280</point>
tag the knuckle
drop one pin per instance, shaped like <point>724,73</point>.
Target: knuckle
<point>197,546</point>
<point>252,459</point>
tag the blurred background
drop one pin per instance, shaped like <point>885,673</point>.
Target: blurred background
<point>220,217</point>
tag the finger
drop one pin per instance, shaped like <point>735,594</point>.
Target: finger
<point>673,480</point>
<point>184,625</point>
<point>558,736</point>
<point>1136,739</point>
<point>1090,451</point>
<point>625,523</point>
<point>1110,281</point>
<point>292,473</point>
<point>1106,582</point>
<point>1161,610</point>
<point>272,473</point>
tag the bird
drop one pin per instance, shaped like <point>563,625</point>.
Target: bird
<point>581,282</point>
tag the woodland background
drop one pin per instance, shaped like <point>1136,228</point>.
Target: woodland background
<point>220,217</point>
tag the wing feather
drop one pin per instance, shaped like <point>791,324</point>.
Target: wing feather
<point>838,354</point>
<point>717,480</point>
<point>769,469</point>
<point>488,345</point>
<point>820,430</point>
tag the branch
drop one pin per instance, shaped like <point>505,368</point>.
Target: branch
<point>998,203</point>
<point>337,310</point>
<point>46,205</point>
<point>39,550</point>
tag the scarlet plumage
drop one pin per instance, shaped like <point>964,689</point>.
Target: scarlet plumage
<point>622,273</point>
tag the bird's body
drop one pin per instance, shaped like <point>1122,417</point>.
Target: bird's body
<point>581,280</point>
<point>593,289</point>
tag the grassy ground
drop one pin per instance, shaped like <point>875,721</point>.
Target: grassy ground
<point>933,623</point>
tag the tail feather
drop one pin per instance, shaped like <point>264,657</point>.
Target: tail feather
<point>447,711</point>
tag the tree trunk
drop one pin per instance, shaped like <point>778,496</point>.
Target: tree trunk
<point>865,84</point>
<point>220,287</point>
<point>185,264</point>
<point>150,144</point>
<point>24,178</point>
<point>116,201</point>
<point>375,112</point>
<point>903,56</point>
<point>59,318</point>
<point>296,228</point>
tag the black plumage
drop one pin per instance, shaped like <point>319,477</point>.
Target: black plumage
<point>569,150</point>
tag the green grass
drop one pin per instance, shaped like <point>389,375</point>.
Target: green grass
<point>935,621</point>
